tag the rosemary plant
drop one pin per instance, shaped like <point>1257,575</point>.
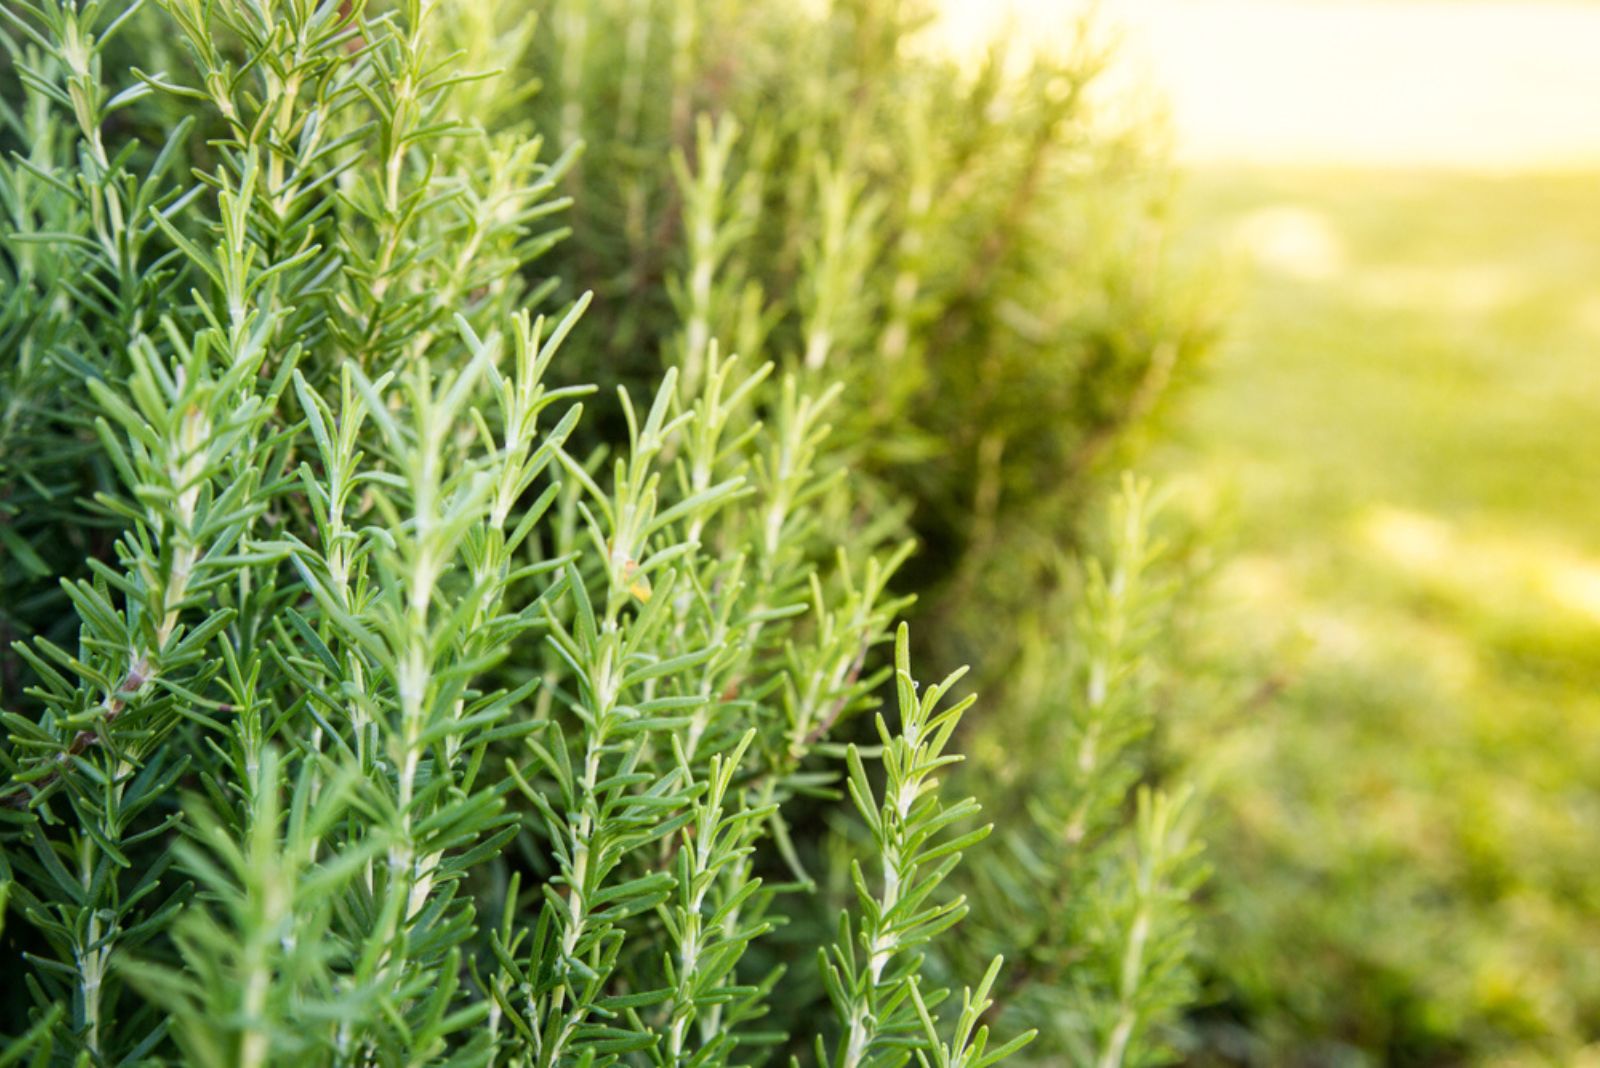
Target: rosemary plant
<point>1090,894</point>
<point>976,256</point>
<point>404,670</point>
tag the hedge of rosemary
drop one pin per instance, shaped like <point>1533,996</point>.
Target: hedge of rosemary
<point>452,582</point>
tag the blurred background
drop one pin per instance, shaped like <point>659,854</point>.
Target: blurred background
<point>1399,434</point>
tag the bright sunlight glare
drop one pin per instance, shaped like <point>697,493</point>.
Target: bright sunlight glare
<point>1479,84</point>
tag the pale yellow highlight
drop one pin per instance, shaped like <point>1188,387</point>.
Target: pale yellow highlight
<point>1484,566</point>
<point>1496,85</point>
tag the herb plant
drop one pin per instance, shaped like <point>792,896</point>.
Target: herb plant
<point>384,690</point>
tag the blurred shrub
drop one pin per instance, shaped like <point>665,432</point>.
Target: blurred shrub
<point>978,254</point>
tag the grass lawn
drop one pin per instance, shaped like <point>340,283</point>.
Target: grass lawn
<point>1403,431</point>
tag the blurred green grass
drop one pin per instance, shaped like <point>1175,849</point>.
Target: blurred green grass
<point>1405,428</point>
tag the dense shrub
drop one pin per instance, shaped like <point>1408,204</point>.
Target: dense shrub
<point>978,255</point>
<point>399,701</point>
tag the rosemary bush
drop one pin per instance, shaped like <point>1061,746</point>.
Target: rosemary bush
<point>385,691</point>
<point>979,255</point>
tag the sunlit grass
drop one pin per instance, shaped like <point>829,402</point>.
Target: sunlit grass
<point>1407,421</point>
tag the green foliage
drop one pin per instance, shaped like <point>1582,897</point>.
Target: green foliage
<point>378,696</point>
<point>875,987</point>
<point>977,257</point>
<point>978,254</point>
<point>1090,906</point>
